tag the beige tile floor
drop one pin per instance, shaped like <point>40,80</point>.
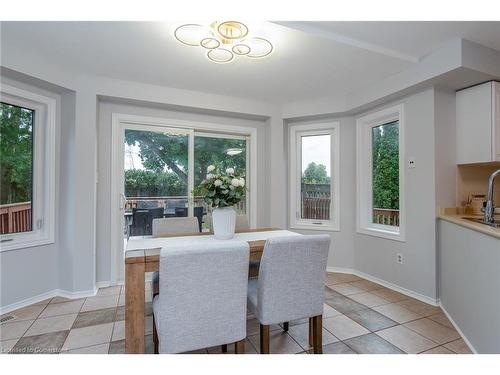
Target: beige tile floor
<point>359,317</point>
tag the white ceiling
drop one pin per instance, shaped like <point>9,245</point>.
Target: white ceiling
<point>308,62</point>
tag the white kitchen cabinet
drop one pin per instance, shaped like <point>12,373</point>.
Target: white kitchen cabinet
<point>478,123</point>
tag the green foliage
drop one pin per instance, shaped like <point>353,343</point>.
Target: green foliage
<point>212,151</point>
<point>315,174</point>
<point>221,189</point>
<point>385,147</point>
<point>165,158</point>
<point>16,152</point>
<point>143,183</point>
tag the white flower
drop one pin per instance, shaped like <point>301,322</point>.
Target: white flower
<point>235,182</point>
<point>242,181</point>
<point>230,170</point>
<point>217,182</point>
<point>210,176</point>
<point>211,168</point>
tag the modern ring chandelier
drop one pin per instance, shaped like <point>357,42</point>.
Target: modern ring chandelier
<point>222,41</point>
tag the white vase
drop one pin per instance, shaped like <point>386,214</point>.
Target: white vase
<point>224,220</point>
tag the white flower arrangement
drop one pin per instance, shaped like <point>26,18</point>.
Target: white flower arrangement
<point>221,189</point>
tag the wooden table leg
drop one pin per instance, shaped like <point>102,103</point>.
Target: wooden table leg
<point>318,334</point>
<point>311,343</point>
<point>264,339</point>
<point>239,347</point>
<point>134,307</point>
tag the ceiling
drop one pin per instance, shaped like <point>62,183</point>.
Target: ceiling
<point>311,59</point>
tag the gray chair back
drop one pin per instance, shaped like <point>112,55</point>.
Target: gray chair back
<point>292,278</point>
<point>203,294</point>
<point>175,225</point>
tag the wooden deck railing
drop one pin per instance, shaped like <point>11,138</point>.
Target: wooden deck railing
<point>316,208</point>
<point>15,218</point>
<point>170,202</point>
<point>386,216</point>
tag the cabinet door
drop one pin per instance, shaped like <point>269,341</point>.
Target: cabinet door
<point>474,124</point>
<point>496,120</point>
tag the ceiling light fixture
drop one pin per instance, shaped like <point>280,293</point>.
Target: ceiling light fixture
<point>224,40</point>
<point>233,151</point>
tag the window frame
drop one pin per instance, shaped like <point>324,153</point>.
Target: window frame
<point>120,121</point>
<point>43,169</point>
<point>295,171</point>
<point>364,173</point>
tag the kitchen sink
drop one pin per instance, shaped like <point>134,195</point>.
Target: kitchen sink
<point>495,224</point>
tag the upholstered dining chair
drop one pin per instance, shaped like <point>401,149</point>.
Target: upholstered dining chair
<point>203,294</point>
<point>168,227</point>
<point>290,285</point>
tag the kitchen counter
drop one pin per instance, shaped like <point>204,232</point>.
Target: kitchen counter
<point>454,215</point>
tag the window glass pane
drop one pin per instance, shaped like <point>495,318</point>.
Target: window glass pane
<point>16,168</point>
<point>156,178</point>
<point>315,177</point>
<point>222,153</point>
<point>385,174</point>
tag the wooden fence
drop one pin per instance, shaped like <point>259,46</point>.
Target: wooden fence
<point>15,218</point>
<point>386,216</point>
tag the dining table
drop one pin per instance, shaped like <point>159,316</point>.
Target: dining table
<point>142,254</point>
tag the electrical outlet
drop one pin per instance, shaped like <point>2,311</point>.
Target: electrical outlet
<point>399,258</point>
<point>412,163</point>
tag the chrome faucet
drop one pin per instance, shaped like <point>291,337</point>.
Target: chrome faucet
<point>490,207</point>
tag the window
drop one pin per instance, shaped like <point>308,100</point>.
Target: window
<point>380,174</point>
<point>314,172</point>
<point>161,169</point>
<point>26,168</point>
<point>223,151</point>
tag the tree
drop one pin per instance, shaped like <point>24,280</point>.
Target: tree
<point>315,174</point>
<point>16,152</point>
<point>166,155</point>
<point>385,158</point>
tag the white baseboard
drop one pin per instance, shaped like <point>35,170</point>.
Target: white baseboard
<point>105,284</point>
<point>44,296</point>
<point>407,292</point>
<point>467,342</point>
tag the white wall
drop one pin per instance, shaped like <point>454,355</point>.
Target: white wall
<point>377,256</point>
<point>19,267</point>
<point>341,255</point>
<point>107,108</point>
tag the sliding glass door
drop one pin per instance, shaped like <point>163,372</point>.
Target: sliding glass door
<point>156,177</point>
<point>223,151</point>
<point>162,166</point>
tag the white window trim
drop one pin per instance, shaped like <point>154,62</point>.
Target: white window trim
<point>43,198</point>
<point>121,121</point>
<point>295,171</point>
<point>364,127</point>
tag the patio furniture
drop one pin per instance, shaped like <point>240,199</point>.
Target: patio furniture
<point>142,220</point>
<point>290,285</point>
<point>181,211</point>
<point>203,297</point>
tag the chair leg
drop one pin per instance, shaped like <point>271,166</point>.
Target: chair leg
<point>311,342</point>
<point>285,326</point>
<point>155,338</point>
<point>264,339</point>
<point>318,334</point>
<point>239,347</point>
<point>224,348</point>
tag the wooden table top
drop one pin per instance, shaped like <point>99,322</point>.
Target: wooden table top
<point>146,249</point>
